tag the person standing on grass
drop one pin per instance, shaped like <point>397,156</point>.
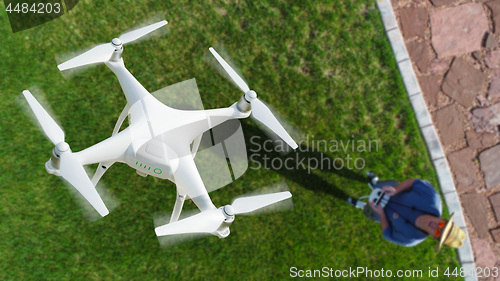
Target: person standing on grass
<point>412,214</point>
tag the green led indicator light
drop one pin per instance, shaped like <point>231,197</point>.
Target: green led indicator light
<point>141,164</point>
<point>149,168</point>
<point>157,171</point>
<point>136,162</point>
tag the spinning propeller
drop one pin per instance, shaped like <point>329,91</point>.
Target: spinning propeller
<point>210,220</point>
<point>70,168</point>
<point>103,52</point>
<point>259,110</point>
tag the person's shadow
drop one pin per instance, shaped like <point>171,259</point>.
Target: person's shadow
<point>301,174</point>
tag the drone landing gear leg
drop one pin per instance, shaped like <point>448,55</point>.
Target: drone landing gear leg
<point>101,169</point>
<point>179,202</point>
<point>103,166</point>
<point>196,145</point>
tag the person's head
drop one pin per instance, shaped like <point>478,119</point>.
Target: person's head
<point>431,225</point>
<point>441,230</point>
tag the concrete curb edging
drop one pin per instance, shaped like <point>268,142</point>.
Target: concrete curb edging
<point>428,131</point>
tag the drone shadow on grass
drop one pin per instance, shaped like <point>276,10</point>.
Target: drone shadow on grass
<point>301,173</point>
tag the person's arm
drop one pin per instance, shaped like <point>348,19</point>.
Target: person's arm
<point>402,186</point>
<point>389,233</point>
<point>384,223</point>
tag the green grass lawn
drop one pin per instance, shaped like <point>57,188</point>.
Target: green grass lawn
<point>325,66</point>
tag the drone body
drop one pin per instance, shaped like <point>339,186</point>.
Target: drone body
<point>160,141</point>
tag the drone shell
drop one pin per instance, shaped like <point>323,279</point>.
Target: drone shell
<point>153,157</point>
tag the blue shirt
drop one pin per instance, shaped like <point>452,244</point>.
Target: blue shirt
<point>422,198</point>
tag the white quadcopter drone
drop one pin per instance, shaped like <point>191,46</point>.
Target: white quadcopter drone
<point>157,143</point>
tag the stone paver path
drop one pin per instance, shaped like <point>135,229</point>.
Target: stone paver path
<point>454,49</point>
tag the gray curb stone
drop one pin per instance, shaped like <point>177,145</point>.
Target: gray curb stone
<point>398,45</point>
<point>469,267</point>
<point>465,253</point>
<point>387,14</point>
<point>453,202</point>
<point>432,140</point>
<point>444,175</point>
<point>408,75</point>
<point>421,111</point>
<point>429,133</point>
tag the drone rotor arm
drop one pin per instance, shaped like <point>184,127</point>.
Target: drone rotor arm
<point>111,149</point>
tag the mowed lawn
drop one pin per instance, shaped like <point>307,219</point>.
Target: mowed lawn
<point>325,66</point>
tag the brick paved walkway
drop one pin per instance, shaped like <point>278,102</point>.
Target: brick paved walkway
<point>455,54</point>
